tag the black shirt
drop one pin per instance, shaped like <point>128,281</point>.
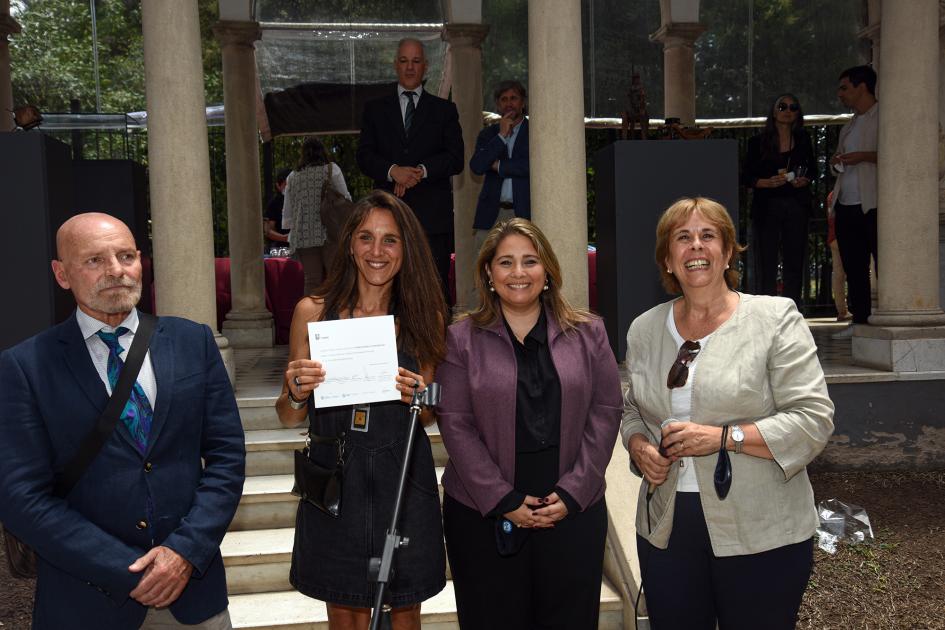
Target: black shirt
<point>538,391</point>
<point>762,165</point>
<point>537,406</point>
<point>274,213</point>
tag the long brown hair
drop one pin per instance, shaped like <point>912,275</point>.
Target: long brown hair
<point>416,295</point>
<point>489,309</point>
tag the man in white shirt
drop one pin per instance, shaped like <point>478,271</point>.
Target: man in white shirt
<point>854,197</point>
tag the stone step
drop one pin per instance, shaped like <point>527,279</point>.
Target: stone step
<point>269,451</point>
<point>259,413</point>
<point>290,610</point>
<point>268,502</point>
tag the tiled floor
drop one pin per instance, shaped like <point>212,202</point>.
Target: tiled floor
<point>259,371</point>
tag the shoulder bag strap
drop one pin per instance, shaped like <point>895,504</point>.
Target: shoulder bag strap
<point>94,441</point>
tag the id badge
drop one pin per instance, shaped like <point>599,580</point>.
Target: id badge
<point>360,418</point>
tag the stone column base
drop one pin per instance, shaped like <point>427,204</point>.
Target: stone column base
<point>249,330</point>
<point>900,349</point>
<point>226,354</point>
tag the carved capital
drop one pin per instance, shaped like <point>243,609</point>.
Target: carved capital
<point>237,33</point>
<point>8,26</point>
<point>459,35</point>
<point>870,32</point>
<point>676,34</point>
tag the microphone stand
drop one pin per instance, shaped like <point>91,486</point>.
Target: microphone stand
<point>381,568</point>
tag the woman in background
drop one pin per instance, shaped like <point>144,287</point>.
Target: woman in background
<point>779,165</point>
<point>302,209</point>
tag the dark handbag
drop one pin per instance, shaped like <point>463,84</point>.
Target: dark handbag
<point>723,468</point>
<point>21,559</point>
<point>316,485</point>
<point>334,209</point>
<point>509,538</point>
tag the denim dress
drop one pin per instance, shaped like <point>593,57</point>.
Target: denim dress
<point>330,556</point>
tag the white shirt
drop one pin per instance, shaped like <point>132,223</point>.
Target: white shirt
<point>850,191</point>
<point>403,116</point>
<point>98,350</point>
<point>403,99</point>
<point>681,407</point>
<point>867,130</point>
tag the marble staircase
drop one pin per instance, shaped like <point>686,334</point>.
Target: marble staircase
<point>257,549</point>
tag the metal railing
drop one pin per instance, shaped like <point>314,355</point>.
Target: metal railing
<point>127,139</point>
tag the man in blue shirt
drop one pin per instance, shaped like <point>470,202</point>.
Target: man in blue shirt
<point>502,156</point>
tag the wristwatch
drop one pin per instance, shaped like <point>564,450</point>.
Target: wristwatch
<point>738,437</point>
<point>297,404</point>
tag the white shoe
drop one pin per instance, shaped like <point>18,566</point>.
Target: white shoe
<point>846,333</point>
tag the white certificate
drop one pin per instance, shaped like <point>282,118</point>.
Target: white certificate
<point>359,357</point>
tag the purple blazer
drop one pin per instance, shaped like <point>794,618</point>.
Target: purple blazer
<point>477,412</point>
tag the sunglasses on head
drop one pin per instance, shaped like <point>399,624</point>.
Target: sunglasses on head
<point>679,371</point>
<point>794,107</point>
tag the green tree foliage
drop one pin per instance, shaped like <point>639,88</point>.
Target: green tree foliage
<point>52,59</point>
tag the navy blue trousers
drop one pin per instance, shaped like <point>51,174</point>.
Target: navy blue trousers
<point>688,588</point>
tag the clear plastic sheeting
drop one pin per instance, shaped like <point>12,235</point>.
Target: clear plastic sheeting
<point>343,53</point>
<point>841,522</point>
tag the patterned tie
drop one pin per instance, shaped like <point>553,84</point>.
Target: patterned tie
<point>411,108</point>
<point>137,413</point>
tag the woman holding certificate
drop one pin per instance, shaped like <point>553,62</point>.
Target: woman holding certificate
<point>383,267</point>
<point>530,411</point>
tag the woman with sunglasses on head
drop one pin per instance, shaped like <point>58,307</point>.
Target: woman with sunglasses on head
<point>727,405</point>
<point>779,165</point>
<point>529,416</point>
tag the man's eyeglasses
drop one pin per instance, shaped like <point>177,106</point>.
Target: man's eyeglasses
<point>794,107</point>
<point>679,372</point>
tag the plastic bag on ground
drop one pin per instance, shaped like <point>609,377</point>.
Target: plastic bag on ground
<point>840,521</point>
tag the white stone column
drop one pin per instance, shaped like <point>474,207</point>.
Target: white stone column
<point>8,26</point>
<point>179,166</point>
<point>910,333</point>
<point>465,41</point>
<point>679,69</point>
<point>556,137</point>
<point>248,324</point>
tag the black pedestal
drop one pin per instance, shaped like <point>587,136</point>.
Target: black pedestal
<point>636,182</point>
<point>35,198</point>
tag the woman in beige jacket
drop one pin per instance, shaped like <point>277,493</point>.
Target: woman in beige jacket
<point>718,367</point>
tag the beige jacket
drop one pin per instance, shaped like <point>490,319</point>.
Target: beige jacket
<point>866,171</point>
<point>760,366</point>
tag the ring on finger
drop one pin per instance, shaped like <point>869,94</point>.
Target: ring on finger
<point>298,384</point>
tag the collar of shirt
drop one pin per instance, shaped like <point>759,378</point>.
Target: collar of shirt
<point>539,332</point>
<point>88,325</point>
<point>401,89</point>
<point>510,139</point>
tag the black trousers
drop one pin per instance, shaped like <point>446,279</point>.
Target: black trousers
<point>856,238</point>
<point>688,588</point>
<point>781,228</point>
<point>441,246</point>
<point>552,582</point>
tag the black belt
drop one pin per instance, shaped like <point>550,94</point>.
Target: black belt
<point>506,205</point>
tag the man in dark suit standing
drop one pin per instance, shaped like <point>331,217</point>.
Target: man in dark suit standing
<point>411,143</point>
<point>135,543</point>
<point>502,156</point>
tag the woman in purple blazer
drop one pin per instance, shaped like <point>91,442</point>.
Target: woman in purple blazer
<point>530,412</point>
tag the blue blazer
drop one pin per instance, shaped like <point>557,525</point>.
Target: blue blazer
<point>50,398</point>
<point>489,148</point>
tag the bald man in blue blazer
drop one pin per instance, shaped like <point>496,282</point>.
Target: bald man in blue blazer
<point>136,542</point>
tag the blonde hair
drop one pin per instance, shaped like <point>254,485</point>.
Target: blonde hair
<point>488,310</point>
<point>716,214</point>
